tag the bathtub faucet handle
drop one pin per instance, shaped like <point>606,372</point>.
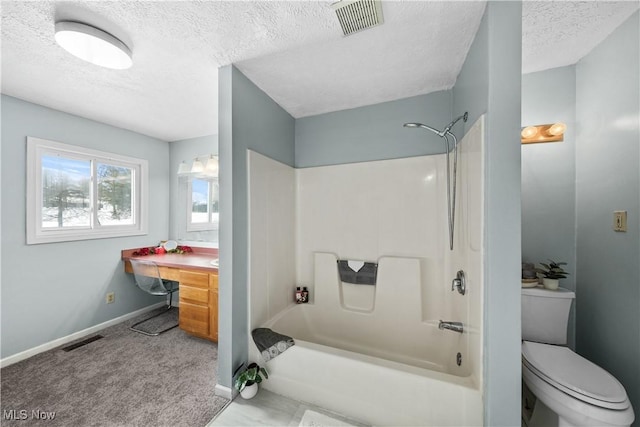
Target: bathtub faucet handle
<point>459,283</point>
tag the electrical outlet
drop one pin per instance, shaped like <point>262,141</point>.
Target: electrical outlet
<point>111,297</point>
<point>620,221</point>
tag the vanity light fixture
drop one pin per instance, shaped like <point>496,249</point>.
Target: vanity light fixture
<point>198,168</point>
<point>93,45</point>
<point>543,133</point>
<point>212,165</point>
<point>183,169</point>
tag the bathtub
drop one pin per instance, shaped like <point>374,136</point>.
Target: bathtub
<point>373,353</point>
<point>380,364</point>
<point>370,389</point>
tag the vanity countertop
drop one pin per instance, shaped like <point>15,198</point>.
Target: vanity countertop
<point>199,259</point>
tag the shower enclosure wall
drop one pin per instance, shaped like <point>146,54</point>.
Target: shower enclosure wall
<point>374,353</point>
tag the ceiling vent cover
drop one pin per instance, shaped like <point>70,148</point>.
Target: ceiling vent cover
<point>358,15</point>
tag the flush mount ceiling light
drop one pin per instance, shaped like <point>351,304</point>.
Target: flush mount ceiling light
<point>93,45</point>
<point>543,133</point>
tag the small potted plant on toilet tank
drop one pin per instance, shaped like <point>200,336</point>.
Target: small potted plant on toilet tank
<point>247,382</point>
<point>552,273</point>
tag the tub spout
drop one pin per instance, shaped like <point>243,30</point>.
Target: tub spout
<point>452,326</point>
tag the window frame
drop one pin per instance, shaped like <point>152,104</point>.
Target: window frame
<point>201,226</point>
<point>37,234</point>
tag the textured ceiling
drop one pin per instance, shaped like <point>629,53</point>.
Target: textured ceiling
<point>293,50</point>
<point>559,33</point>
<point>420,48</point>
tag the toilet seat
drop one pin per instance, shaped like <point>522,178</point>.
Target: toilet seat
<point>574,375</point>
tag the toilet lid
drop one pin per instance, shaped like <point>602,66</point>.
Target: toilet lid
<point>574,374</point>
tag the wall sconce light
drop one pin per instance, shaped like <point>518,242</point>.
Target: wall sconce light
<point>543,133</point>
<point>198,168</point>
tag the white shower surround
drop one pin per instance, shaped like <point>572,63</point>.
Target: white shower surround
<point>384,363</point>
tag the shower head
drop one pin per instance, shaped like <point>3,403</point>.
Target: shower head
<point>444,133</point>
<point>420,125</point>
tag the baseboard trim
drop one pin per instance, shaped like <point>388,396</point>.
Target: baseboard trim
<point>10,360</point>
<point>225,392</point>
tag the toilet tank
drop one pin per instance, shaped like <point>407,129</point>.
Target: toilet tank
<point>545,314</point>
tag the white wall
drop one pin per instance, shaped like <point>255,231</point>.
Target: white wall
<point>390,212</point>
<point>271,237</point>
<point>468,251</point>
<point>363,211</point>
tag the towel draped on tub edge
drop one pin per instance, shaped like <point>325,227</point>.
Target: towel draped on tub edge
<point>270,343</point>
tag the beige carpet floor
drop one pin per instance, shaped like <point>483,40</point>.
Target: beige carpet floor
<point>123,379</point>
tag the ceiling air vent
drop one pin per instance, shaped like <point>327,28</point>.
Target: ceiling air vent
<point>357,15</point>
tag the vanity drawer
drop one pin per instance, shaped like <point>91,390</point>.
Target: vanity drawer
<point>169,273</point>
<point>194,278</point>
<point>194,294</point>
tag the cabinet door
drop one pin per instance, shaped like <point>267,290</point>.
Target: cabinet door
<point>194,318</point>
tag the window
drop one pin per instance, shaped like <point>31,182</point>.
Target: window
<point>202,204</point>
<point>75,193</point>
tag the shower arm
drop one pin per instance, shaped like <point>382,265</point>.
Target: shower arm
<point>446,130</point>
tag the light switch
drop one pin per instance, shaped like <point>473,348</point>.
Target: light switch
<point>620,220</point>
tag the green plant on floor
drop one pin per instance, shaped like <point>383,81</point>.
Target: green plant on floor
<point>553,270</point>
<point>250,376</point>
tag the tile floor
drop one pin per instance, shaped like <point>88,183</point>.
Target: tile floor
<point>268,409</point>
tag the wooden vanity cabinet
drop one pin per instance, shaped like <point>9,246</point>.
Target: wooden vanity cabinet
<point>199,303</point>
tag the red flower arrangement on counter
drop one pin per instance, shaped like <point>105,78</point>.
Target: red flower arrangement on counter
<point>160,250</point>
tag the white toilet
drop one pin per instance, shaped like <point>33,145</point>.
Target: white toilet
<point>561,388</point>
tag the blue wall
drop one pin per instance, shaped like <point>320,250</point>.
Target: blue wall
<point>52,290</point>
<point>607,171</point>
<point>374,132</point>
<point>249,119</point>
<point>471,91</point>
<point>549,175</point>
<point>490,82</point>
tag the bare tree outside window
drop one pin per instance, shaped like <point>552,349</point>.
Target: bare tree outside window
<point>65,192</point>
<point>114,194</point>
